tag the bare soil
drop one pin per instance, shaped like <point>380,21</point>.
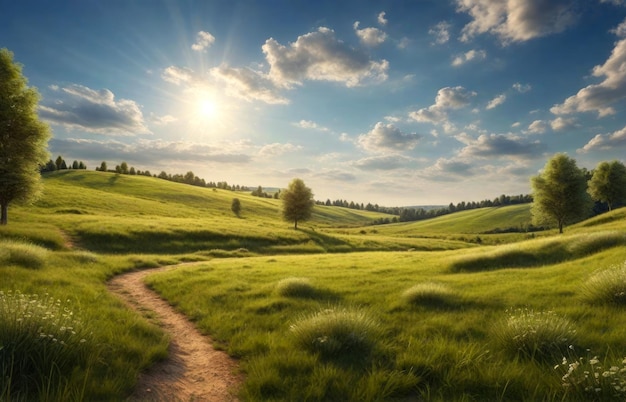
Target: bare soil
<point>194,370</point>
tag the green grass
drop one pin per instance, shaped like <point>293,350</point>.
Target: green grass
<point>606,286</point>
<point>376,291</point>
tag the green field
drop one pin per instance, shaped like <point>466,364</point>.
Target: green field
<point>443,309</point>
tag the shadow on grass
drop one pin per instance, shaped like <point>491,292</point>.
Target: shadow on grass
<point>328,243</point>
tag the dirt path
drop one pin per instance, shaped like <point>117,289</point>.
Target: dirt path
<point>194,371</point>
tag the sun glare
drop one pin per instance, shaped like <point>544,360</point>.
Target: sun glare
<point>206,108</point>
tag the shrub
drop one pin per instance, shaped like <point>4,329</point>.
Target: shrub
<point>589,380</point>
<point>607,286</point>
<point>26,255</point>
<point>430,294</point>
<point>45,350</point>
<point>337,332</point>
<point>295,287</point>
<point>534,334</point>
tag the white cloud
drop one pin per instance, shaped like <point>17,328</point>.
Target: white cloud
<point>605,142</point>
<point>620,31</point>
<point>177,75</point>
<point>204,40</point>
<point>561,123</point>
<point>387,137</point>
<point>278,149</point>
<point>516,124</point>
<point>321,56</point>
<point>369,36</point>
<point>521,88</point>
<point>453,169</point>
<point>247,84</point>
<point>502,145</point>
<point>83,108</point>
<point>381,19</point>
<point>448,98</point>
<point>383,162</point>
<point>310,125</point>
<point>516,21</point>
<point>441,32</point>
<point>495,102</point>
<point>163,120</point>
<point>599,97</point>
<point>537,127</point>
<point>469,56</point>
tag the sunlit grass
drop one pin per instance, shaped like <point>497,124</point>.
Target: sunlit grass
<point>431,294</point>
<point>22,254</point>
<point>606,286</point>
<point>295,287</point>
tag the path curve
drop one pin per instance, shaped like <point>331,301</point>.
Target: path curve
<point>193,370</point>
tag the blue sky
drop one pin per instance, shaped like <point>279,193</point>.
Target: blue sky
<point>389,102</point>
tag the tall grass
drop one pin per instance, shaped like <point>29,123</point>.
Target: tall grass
<point>431,294</point>
<point>295,287</point>
<point>23,254</point>
<point>607,286</point>
<point>46,351</point>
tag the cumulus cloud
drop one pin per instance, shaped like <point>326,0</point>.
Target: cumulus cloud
<point>516,21</point>
<point>605,142</point>
<point>441,33</point>
<point>148,152</point>
<point>495,102</point>
<point>561,123</point>
<point>383,162</point>
<point>469,56</point>
<point>95,111</point>
<point>521,88</point>
<point>502,145</point>
<point>448,98</point>
<point>247,84</point>
<point>278,149</point>
<point>387,137</point>
<point>177,75</point>
<point>310,125</point>
<point>321,56</point>
<point>163,120</point>
<point>453,169</point>
<point>599,97</point>
<point>369,36</point>
<point>537,127</point>
<point>204,40</point>
<point>381,18</point>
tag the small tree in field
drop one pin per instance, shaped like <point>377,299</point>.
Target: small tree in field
<point>608,183</point>
<point>236,206</point>
<point>559,193</point>
<point>297,202</point>
<point>23,137</point>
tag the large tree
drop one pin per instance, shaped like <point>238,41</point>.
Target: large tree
<point>608,183</point>
<point>23,137</point>
<point>297,202</point>
<point>559,193</point>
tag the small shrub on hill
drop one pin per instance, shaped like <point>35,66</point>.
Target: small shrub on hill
<point>607,286</point>
<point>338,333</point>
<point>46,353</point>
<point>430,294</point>
<point>534,334</point>
<point>26,255</point>
<point>295,287</point>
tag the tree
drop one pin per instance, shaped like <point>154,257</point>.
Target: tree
<point>608,183</point>
<point>559,193</point>
<point>123,168</point>
<point>23,137</point>
<point>236,206</point>
<point>103,166</point>
<point>60,162</point>
<point>297,202</point>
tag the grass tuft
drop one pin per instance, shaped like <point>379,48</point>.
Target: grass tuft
<point>26,255</point>
<point>430,294</point>
<point>338,332</point>
<point>45,350</point>
<point>534,334</point>
<point>607,286</point>
<point>296,287</point>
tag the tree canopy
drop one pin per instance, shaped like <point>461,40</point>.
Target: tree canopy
<point>559,193</point>
<point>23,137</point>
<point>298,202</point>
<point>608,183</point>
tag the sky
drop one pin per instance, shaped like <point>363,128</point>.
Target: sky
<point>396,103</point>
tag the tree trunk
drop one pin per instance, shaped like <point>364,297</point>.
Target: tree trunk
<point>560,227</point>
<point>4,207</point>
<point>295,224</point>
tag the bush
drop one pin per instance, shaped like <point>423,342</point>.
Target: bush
<point>337,332</point>
<point>430,294</point>
<point>607,286</point>
<point>26,255</point>
<point>45,350</point>
<point>295,287</point>
<point>534,334</point>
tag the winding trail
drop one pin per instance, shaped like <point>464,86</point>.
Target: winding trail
<point>194,370</point>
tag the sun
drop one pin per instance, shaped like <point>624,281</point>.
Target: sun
<point>206,108</point>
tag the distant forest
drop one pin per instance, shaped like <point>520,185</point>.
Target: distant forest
<point>402,214</point>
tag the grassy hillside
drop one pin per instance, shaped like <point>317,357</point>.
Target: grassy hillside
<point>338,310</point>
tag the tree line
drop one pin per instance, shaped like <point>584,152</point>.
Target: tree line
<point>60,164</point>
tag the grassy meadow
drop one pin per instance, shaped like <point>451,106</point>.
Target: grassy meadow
<point>444,309</point>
